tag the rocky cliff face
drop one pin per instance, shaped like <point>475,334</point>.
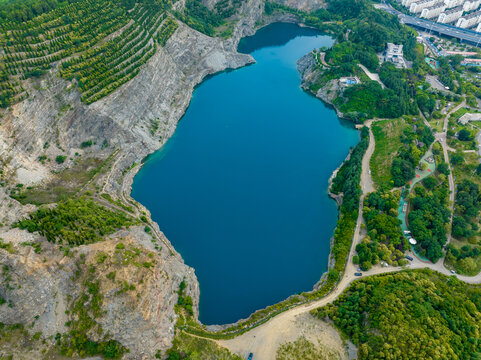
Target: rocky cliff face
<point>305,5</point>
<point>138,287</point>
<point>310,74</point>
<point>124,127</point>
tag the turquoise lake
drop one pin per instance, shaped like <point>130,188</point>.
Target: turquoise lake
<point>240,190</point>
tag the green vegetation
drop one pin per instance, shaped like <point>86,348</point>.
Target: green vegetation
<point>199,17</point>
<point>85,311</point>
<point>19,341</point>
<point>464,253</point>
<point>77,339</point>
<point>62,185</point>
<point>465,259</point>
<point>75,222</point>
<point>369,100</point>
<point>183,301</point>
<point>6,246</point>
<point>60,159</point>
<point>188,347</point>
<point>347,182</point>
<point>416,139</point>
<point>468,205</point>
<point>385,241</point>
<point>428,218</point>
<point>101,44</point>
<point>303,349</point>
<point>409,315</point>
<point>387,136</point>
<point>362,32</point>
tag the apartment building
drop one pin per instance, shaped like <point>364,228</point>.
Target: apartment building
<point>450,15</point>
<point>433,11</point>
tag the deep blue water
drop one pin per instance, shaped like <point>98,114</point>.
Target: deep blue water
<point>241,188</point>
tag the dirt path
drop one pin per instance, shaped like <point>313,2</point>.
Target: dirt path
<point>367,185</point>
<point>323,59</point>
<point>372,76</point>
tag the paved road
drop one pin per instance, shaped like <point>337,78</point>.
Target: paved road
<point>443,29</point>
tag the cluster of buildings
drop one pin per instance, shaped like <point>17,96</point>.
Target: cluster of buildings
<point>464,14</point>
<point>394,54</point>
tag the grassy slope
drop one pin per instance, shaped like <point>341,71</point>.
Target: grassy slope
<point>386,134</point>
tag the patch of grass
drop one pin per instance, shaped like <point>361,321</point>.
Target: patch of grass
<point>303,349</point>
<point>387,137</point>
<point>63,185</point>
<point>467,168</point>
<point>190,347</point>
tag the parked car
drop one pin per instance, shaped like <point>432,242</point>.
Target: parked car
<point>409,258</point>
<point>453,272</point>
<point>357,274</point>
<point>250,357</point>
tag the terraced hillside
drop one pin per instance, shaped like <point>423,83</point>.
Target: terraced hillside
<point>99,44</point>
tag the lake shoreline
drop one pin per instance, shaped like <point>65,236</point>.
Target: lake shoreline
<point>331,239</point>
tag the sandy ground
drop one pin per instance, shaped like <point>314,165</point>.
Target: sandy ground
<point>290,329</point>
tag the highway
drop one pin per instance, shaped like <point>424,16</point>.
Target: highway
<point>469,36</point>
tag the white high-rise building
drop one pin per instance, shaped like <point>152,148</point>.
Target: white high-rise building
<point>433,11</point>
<point>419,6</point>
<point>470,5</point>
<point>453,3</point>
<point>470,20</point>
<point>407,3</point>
<point>450,15</point>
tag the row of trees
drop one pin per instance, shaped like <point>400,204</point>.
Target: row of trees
<point>347,183</point>
<point>75,27</point>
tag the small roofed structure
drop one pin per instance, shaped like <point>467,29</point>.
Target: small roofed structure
<point>349,80</point>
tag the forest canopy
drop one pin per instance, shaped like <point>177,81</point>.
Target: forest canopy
<point>410,315</point>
